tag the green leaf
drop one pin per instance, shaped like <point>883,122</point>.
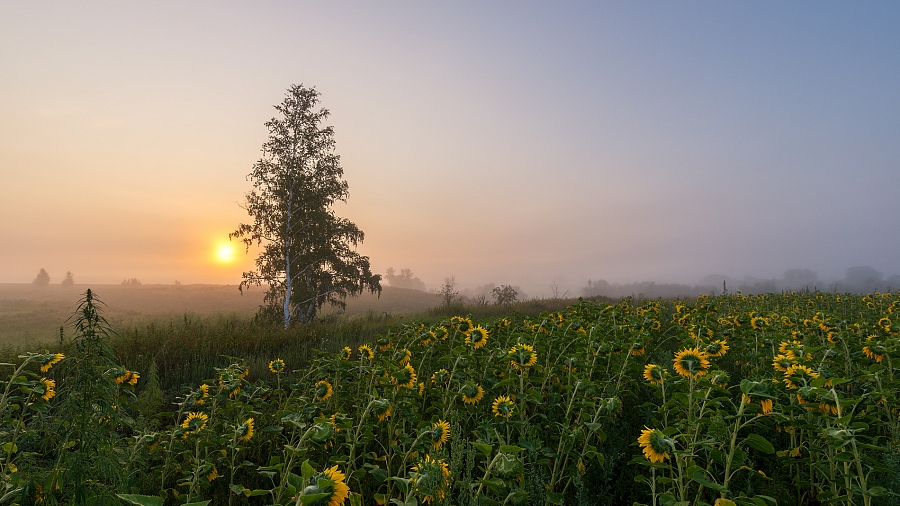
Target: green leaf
<point>306,469</point>
<point>760,443</point>
<point>700,478</point>
<point>311,498</point>
<point>486,449</point>
<point>510,449</point>
<point>10,447</point>
<point>200,503</point>
<point>237,489</point>
<point>142,500</point>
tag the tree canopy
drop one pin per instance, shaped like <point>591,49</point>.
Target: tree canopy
<point>309,254</point>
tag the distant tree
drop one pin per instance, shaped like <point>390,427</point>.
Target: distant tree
<point>861,280</point>
<point>309,256</point>
<point>505,294</point>
<point>69,279</point>
<point>132,282</point>
<point>42,278</point>
<point>448,292</point>
<point>404,280</point>
<point>798,279</point>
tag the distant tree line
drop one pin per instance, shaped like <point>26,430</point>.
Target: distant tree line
<point>43,278</point>
<point>856,280</point>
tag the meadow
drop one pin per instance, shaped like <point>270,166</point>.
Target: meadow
<point>770,399</point>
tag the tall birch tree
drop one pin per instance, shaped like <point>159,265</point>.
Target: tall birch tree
<point>308,253</point>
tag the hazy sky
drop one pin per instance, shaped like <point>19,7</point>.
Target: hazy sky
<point>506,142</point>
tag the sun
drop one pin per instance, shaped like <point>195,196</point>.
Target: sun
<point>225,253</point>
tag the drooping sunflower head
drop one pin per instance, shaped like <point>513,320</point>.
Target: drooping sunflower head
<point>383,343</point>
<point>781,363</point>
<point>655,444</point>
<point>885,324</point>
<point>202,394</point>
<point>49,388</point>
<point>381,408</point>
<point>717,348</point>
<point>365,352</point>
<point>432,479</point>
<point>330,482</point>
<point>194,423</point>
<point>464,325</point>
<point>655,374</point>
<point>766,406</point>
<point>503,406</point>
<point>799,375</point>
<point>406,377</point>
<point>522,355</point>
<point>691,363</point>
<point>477,337</point>
<point>471,393</point>
<point>406,355</point>
<point>323,390</point>
<point>759,322</point>
<point>49,360</point>
<point>439,333</point>
<point>440,433</point>
<point>440,378</point>
<point>875,352</point>
<point>346,352</point>
<point>245,430</point>
<point>277,366</point>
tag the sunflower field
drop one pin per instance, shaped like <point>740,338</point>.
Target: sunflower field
<point>773,399</point>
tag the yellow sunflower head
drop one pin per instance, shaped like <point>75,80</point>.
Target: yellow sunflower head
<point>717,348</point>
<point>759,323</point>
<point>432,479</point>
<point>277,366</point>
<point>49,388</point>
<point>799,375</point>
<point>875,352</point>
<point>49,360</point>
<point>655,444</point>
<point>522,355</point>
<point>365,351</point>
<point>406,377</point>
<point>381,408</point>
<point>440,433</point>
<point>477,337</point>
<point>439,333</point>
<point>346,352</point>
<point>691,363</point>
<point>202,394</point>
<point>471,393</point>
<point>503,406</point>
<point>464,325</point>
<point>766,405</point>
<point>782,362</point>
<point>323,390</point>
<point>330,482</point>
<point>194,423</point>
<point>440,378</point>
<point>245,430</point>
<point>655,374</point>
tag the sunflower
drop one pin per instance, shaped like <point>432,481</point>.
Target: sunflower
<point>134,378</point>
<point>194,423</point>
<point>365,351</point>
<point>381,408</point>
<point>503,406</point>
<point>873,352</point>
<point>463,325</point>
<point>203,394</point>
<point>522,355</point>
<point>440,377</point>
<point>477,337</point>
<point>440,433</point>
<point>277,366</point>
<point>885,324</point>
<point>637,352</point>
<point>759,323</point>
<point>406,377</point>
<point>717,348</point>
<point>245,430</point>
<point>432,479</point>
<point>49,388</point>
<point>782,363</point>
<point>323,390</point>
<point>798,373</point>
<point>48,361</point>
<point>439,333</point>
<point>691,363</point>
<point>655,374</point>
<point>337,491</point>
<point>654,444</point>
<point>346,352</point>
<point>406,356</point>
<point>213,474</point>
<point>471,393</point>
<point>766,405</point>
<point>383,343</point>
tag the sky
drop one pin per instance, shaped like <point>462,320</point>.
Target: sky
<point>496,142</point>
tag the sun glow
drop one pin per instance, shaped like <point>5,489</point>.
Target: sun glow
<point>225,253</point>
